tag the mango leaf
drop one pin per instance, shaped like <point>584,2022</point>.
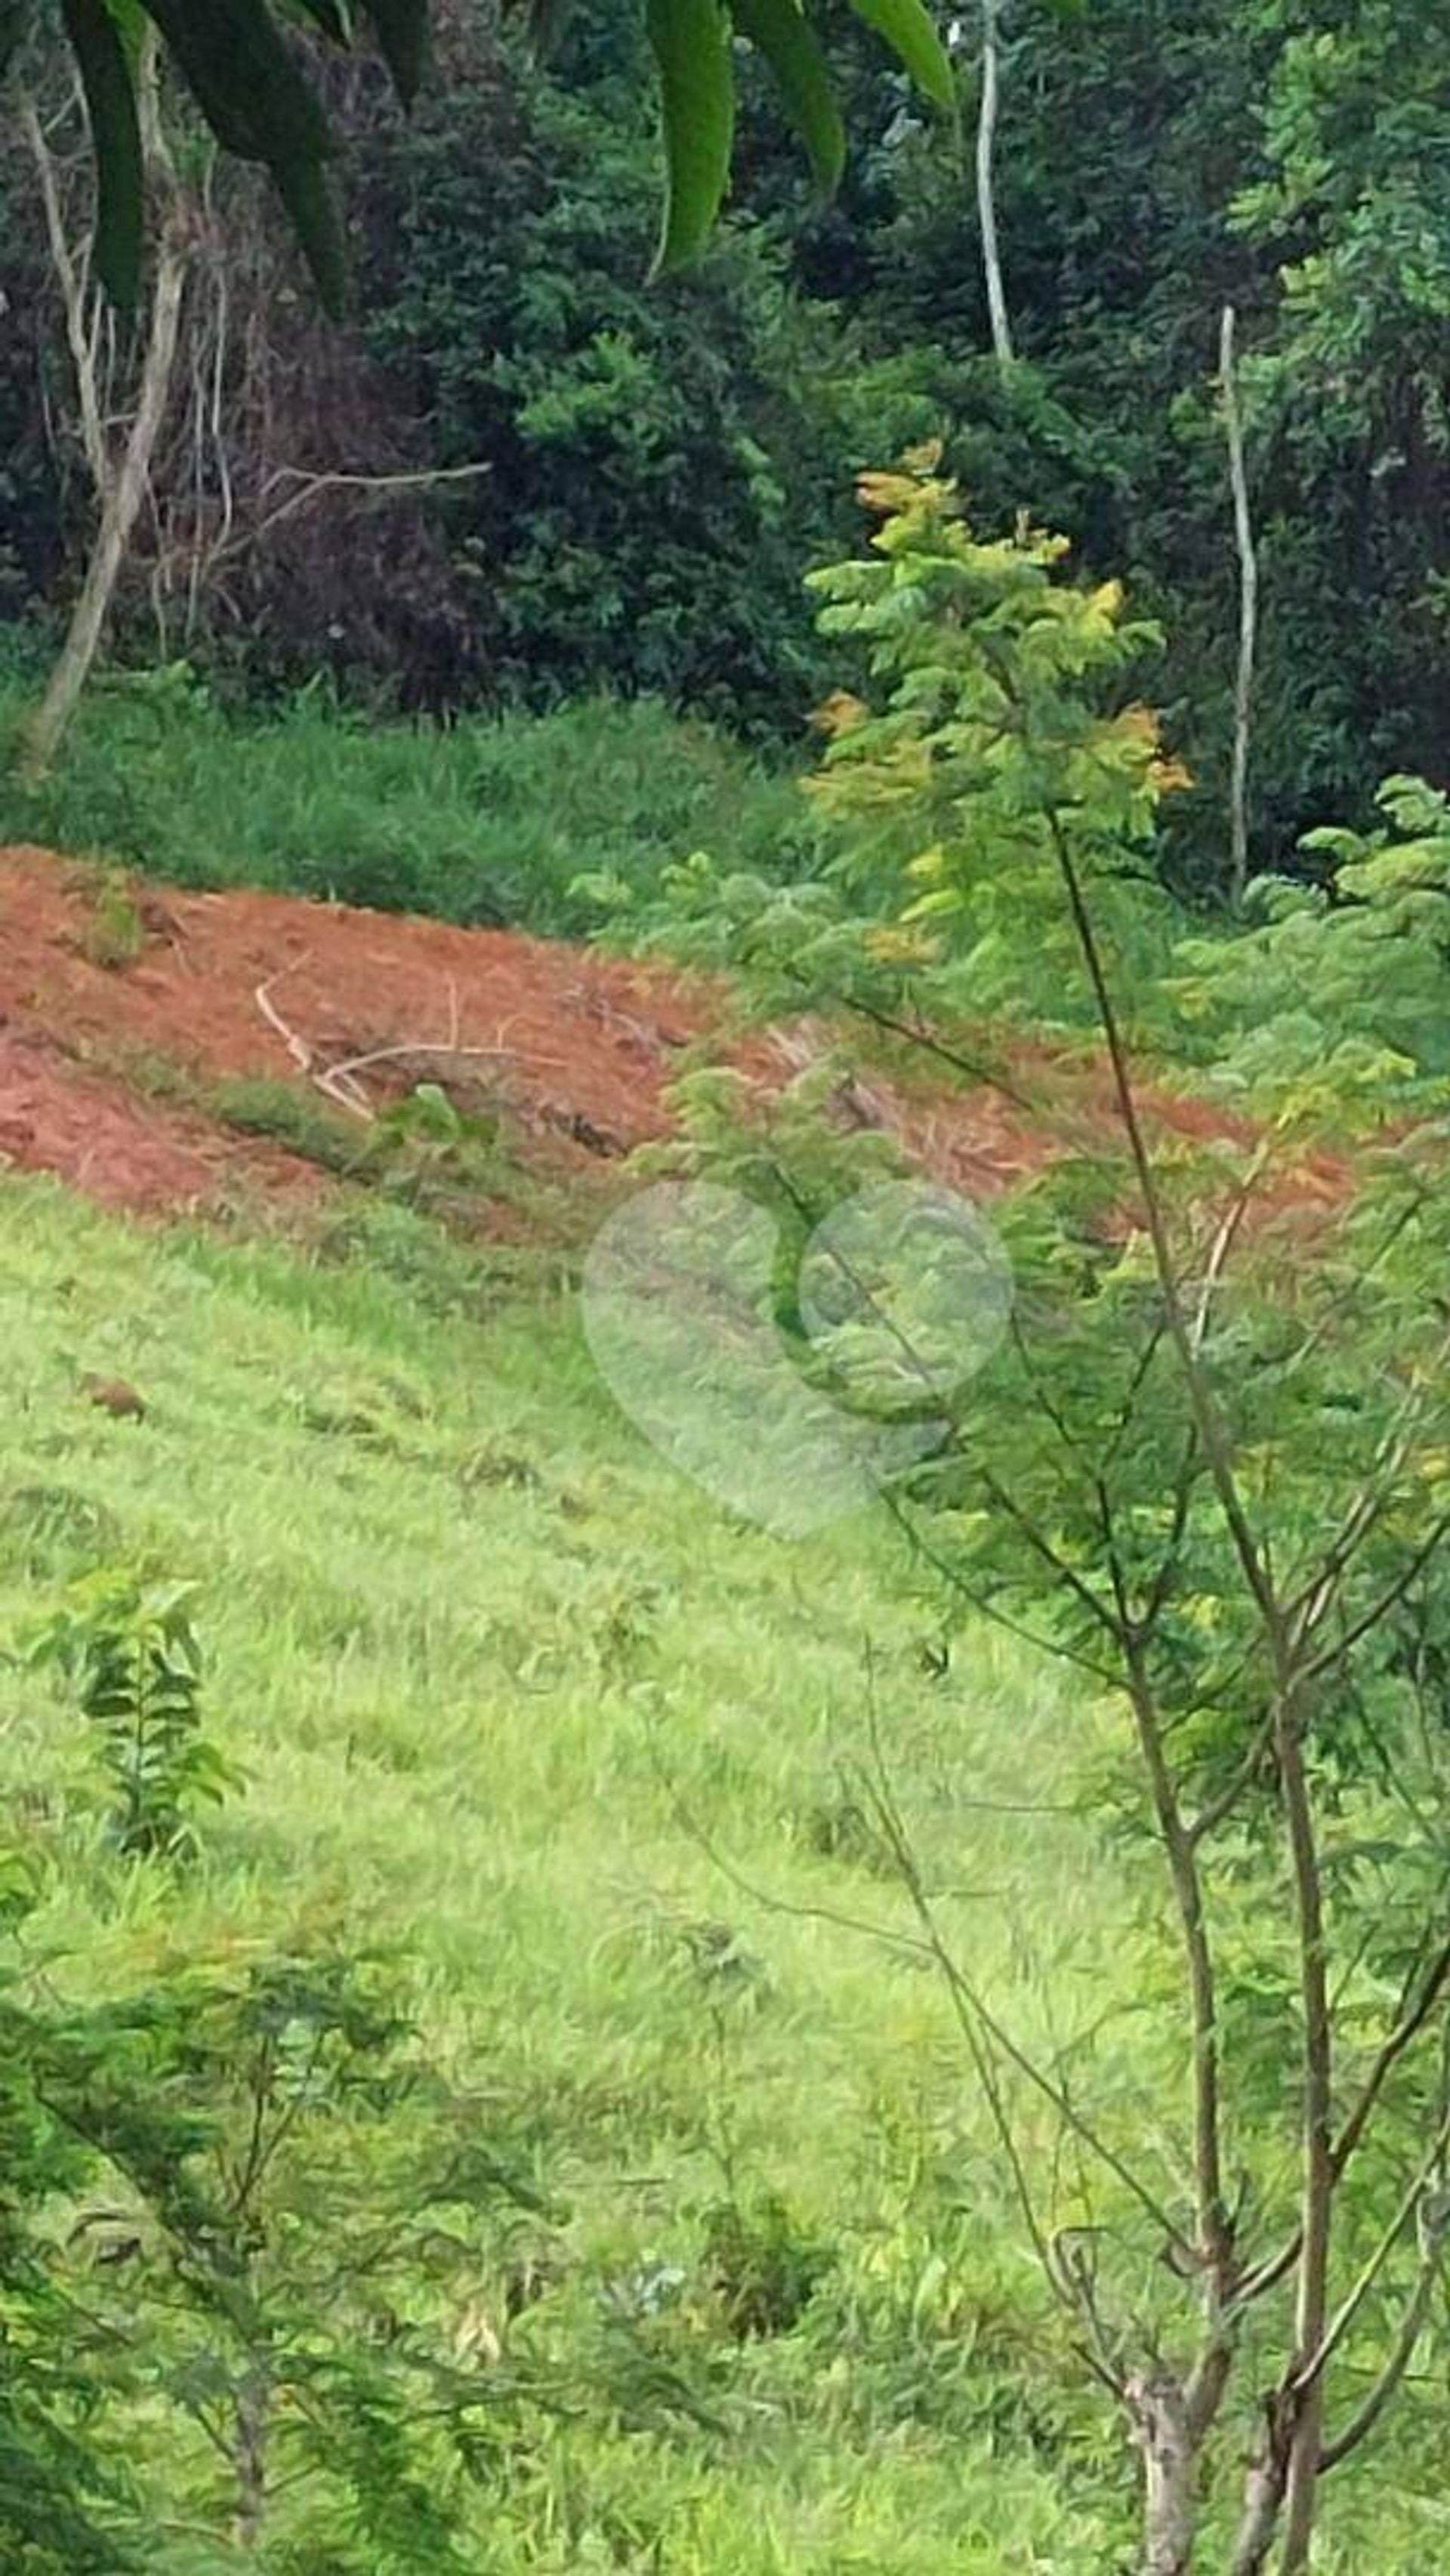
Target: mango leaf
<point>246,55</point>
<point>334,17</point>
<point>907,28</point>
<point>780,32</point>
<point>120,181</point>
<point>307,195</point>
<point>691,42</point>
<point>401,28</point>
<point>258,104</point>
<point>210,75</point>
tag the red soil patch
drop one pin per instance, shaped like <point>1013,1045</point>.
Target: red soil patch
<point>119,1148</point>
<point>575,1048</point>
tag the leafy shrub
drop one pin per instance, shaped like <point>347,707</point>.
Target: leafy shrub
<point>665,458</point>
<point>1210,1466</point>
<point>132,1653</point>
<point>760,2266</point>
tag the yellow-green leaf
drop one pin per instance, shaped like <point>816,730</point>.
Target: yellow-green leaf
<point>907,28</point>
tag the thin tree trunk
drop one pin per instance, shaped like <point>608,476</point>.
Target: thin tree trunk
<point>986,181</point>
<point>1248,562</point>
<point>120,509</point>
<point>1263,2504</point>
<point>72,285</point>
<point>1170,2467</point>
<point>124,483</point>
<point>1301,2494</point>
<point>249,2453</point>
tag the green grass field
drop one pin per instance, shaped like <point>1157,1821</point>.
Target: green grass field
<point>493,1672</point>
<point>514,1702</point>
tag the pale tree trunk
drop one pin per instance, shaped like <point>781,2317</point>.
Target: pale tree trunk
<point>121,507</point>
<point>986,181</point>
<point>72,283</point>
<point>1170,2472</point>
<point>1248,563</point>
<point>1306,2426</point>
<point>1263,2504</point>
<point>124,480</point>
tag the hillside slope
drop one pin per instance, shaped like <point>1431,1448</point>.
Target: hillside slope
<point>514,1701</point>
<point>516,1705</point>
<point>125,1010</point>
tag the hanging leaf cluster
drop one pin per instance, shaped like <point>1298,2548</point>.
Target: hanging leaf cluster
<point>235,58</point>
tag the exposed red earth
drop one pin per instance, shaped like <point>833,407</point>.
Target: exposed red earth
<point>576,1049</point>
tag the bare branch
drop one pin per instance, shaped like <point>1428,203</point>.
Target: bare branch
<point>967,1999</point>
<point>1334,2334</point>
<point>1362,2423</point>
<point>983,1603</point>
<point>1379,1609</point>
<point>1402,2037</point>
<point>987,114</point>
<point>1215,2228</point>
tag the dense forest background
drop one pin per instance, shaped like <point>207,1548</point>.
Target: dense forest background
<point>663,461</point>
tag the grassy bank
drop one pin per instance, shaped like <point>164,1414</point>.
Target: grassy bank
<point>521,1710</point>
<point>487,821</point>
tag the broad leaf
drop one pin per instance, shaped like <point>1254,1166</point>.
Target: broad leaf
<point>305,192</point>
<point>691,41</point>
<point>779,31</point>
<point>907,28</point>
<point>401,28</point>
<point>258,104</point>
<point>120,183</point>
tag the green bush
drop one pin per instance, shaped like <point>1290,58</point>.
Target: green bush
<point>487,821</point>
<point>667,457</point>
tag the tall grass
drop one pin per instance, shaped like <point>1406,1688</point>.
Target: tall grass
<point>512,1697</point>
<point>515,1700</point>
<point>487,821</point>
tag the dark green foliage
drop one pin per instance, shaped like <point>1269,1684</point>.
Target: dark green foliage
<point>1208,1466</point>
<point>760,2266</point>
<point>259,105</point>
<point>534,821</point>
<point>1154,162</point>
<point>257,2166</point>
<point>665,460</point>
<point>116,135</point>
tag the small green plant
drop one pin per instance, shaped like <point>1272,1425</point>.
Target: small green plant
<point>761,2266</point>
<point>264,1105</point>
<point>115,933</point>
<point>1209,1467</point>
<point>132,1652</point>
<point>426,1150</point>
